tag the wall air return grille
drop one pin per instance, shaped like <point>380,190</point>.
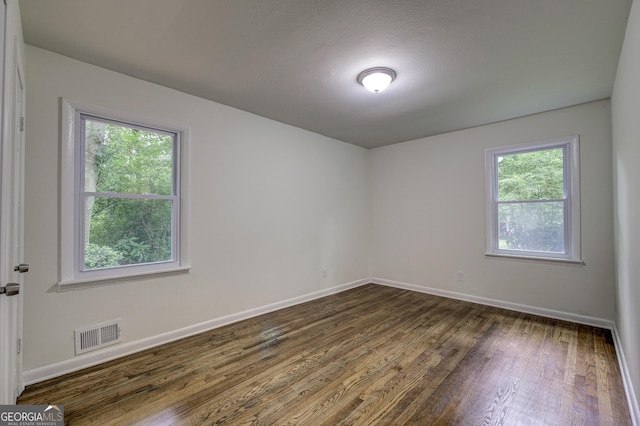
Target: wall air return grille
<point>97,336</point>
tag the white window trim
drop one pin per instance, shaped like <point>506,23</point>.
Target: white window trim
<point>70,277</point>
<point>572,188</point>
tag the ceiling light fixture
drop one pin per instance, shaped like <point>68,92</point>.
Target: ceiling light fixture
<point>376,79</point>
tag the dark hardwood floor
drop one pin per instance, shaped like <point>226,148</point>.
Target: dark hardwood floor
<point>371,355</point>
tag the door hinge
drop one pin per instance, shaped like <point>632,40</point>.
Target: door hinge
<point>21,124</point>
<point>19,345</point>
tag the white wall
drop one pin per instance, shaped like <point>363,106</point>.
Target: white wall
<point>626,163</point>
<point>428,215</point>
<point>271,205</point>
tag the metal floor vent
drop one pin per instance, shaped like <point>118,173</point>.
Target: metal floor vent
<point>97,336</point>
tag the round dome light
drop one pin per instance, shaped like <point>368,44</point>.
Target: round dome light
<point>376,79</point>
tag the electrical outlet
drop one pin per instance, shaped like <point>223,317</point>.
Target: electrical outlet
<point>325,272</point>
<point>460,275</point>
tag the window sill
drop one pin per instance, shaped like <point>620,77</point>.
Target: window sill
<point>535,259</point>
<point>80,284</point>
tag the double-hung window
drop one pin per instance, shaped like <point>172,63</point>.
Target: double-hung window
<point>533,200</point>
<point>122,194</point>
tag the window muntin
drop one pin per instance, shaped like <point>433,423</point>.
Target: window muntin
<point>129,194</point>
<point>533,200</point>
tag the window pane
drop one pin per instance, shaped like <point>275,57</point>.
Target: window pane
<point>125,231</point>
<point>531,226</point>
<point>528,176</point>
<point>127,161</point>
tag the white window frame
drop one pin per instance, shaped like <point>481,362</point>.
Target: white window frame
<point>572,253</point>
<point>72,275</point>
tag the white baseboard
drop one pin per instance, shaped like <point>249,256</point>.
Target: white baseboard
<point>632,399</point>
<point>549,313</point>
<point>543,312</point>
<point>117,351</point>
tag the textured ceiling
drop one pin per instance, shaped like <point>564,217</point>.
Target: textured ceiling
<point>460,63</point>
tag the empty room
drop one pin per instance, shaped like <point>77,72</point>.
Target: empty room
<point>320,212</point>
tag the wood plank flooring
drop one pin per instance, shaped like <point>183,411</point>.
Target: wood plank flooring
<point>371,355</point>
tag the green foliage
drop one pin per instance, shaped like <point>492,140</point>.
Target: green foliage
<point>532,227</point>
<point>537,177</point>
<point>131,161</point>
<point>531,176</point>
<point>96,256</point>
<point>133,250</point>
<point>123,160</point>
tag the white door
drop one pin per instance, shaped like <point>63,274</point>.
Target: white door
<point>11,223</point>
